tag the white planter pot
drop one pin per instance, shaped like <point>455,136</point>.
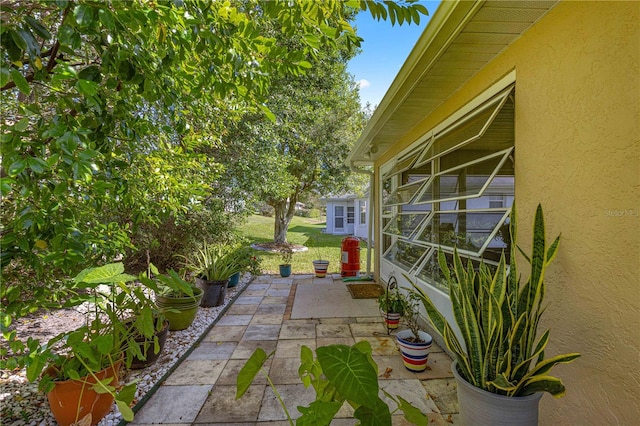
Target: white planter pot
<point>414,355</point>
<point>320,267</point>
<point>392,319</point>
<point>481,408</point>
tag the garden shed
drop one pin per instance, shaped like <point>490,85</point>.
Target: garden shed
<point>347,215</point>
<point>523,102</point>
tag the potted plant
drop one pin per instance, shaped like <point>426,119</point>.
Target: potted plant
<point>286,254</point>
<point>500,366</point>
<point>392,304</point>
<point>177,299</point>
<point>320,266</point>
<point>414,343</point>
<point>212,266</point>
<point>340,375</point>
<point>148,323</point>
<point>81,376</point>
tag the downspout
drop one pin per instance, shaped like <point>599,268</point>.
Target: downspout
<point>369,214</point>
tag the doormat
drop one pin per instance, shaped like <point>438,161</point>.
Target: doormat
<point>365,291</point>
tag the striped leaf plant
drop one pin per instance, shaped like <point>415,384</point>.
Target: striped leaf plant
<point>498,317</point>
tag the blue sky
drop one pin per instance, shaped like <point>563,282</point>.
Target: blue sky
<point>384,50</point>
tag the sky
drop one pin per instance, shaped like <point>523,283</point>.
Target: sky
<point>384,50</point>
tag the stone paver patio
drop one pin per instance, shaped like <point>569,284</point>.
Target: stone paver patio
<point>282,314</point>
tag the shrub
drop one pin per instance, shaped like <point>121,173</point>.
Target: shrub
<point>162,244</point>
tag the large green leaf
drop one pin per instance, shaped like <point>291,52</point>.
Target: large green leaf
<point>318,413</point>
<point>249,371</point>
<point>373,415</point>
<point>412,414</point>
<point>351,373</point>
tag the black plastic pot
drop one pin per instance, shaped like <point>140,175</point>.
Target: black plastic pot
<point>148,351</point>
<point>214,292</point>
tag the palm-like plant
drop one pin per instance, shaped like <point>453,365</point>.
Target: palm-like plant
<point>215,262</point>
<point>498,318</point>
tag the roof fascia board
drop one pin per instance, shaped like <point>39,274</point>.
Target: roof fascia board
<point>446,23</point>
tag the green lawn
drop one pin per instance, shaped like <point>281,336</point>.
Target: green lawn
<point>303,231</point>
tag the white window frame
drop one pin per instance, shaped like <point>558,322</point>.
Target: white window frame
<point>500,91</point>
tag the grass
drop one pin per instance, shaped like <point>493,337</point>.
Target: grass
<point>304,231</point>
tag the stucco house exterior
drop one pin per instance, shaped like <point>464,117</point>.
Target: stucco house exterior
<point>532,102</point>
<point>347,215</point>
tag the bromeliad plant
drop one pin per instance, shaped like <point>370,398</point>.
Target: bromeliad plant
<point>498,317</point>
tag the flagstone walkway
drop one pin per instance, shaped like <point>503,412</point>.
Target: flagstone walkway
<point>282,314</point>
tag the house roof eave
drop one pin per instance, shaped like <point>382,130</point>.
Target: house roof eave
<point>471,33</point>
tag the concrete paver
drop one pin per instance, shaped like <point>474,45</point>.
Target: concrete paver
<point>222,406</point>
<point>246,348</point>
<point>213,350</point>
<point>292,395</point>
<point>225,333</point>
<point>235,320</point>
<point>197,372</point>
<point>281,315</point>
<point>173,404</point>
<point>262,332</point>
<point>266,319</point>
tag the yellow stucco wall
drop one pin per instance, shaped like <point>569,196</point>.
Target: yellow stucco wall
<point>578,153</point>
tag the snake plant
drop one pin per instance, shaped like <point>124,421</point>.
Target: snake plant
<point>498,318</point>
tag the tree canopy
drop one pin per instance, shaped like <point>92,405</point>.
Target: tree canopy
<point>103,102</point>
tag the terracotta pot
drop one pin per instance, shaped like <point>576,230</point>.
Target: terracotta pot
<point>72,400</point>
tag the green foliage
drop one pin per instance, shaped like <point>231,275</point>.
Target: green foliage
<point>107,337</point>
<point>215,262</point>
<point>111,109</point>
<point>179,235</point>
<point>173,284</point>
<point>393,301</point>
<point>498,317</point>
<point>339,374</point>
<point>286,254</point>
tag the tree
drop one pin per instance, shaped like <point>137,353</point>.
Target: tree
<point>317,119</point>
<point>78,78</point>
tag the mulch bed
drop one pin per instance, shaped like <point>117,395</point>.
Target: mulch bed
<point>277,247</point>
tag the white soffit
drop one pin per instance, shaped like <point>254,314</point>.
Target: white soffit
<point>461,38</point>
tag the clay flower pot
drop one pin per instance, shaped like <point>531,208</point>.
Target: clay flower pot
<point>72,400</point>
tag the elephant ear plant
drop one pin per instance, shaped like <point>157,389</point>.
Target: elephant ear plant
<point>498,317</point>
<point>105,342</point>
<point>339,374</point>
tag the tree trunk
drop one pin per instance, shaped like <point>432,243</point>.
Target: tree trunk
<point>284,211</point>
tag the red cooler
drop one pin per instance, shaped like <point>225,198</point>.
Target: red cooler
<point>350,266</point>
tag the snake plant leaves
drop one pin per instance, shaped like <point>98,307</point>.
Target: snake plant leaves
<point>498,318</point>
